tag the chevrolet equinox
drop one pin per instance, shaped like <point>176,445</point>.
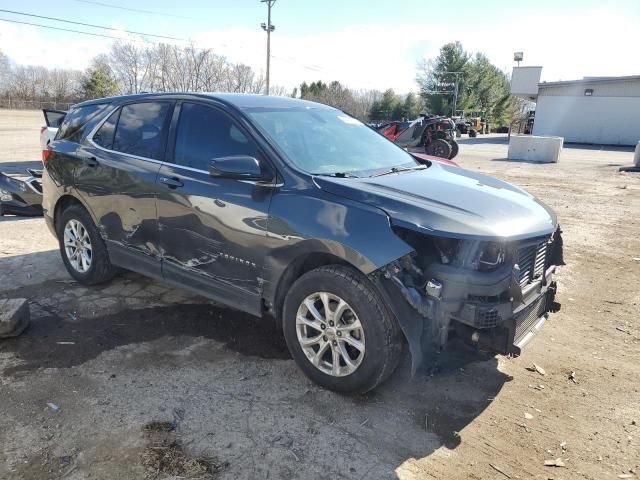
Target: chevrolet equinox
<point>296,211</point>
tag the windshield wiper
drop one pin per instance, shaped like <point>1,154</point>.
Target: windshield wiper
<point>338,175</point>
<point>399,169</point>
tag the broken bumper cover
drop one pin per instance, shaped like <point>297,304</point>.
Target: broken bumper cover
<point>492,310</point>
<point>507,327</point>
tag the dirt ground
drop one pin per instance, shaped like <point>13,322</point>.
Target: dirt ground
<point>135,379</point>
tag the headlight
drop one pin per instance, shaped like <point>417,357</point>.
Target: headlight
<point>492,256</point>
<point>482,256</point>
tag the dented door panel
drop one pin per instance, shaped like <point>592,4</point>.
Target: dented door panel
<point>214,228</point>
<point>121,190</point>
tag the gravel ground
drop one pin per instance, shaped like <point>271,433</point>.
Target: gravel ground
<point>147,381</point>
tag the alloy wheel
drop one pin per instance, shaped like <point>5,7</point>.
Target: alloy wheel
<point>330,334</point>
<point>77,246</point>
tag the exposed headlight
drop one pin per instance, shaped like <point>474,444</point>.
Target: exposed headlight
<point>482,256</point>
<point>492,256</point>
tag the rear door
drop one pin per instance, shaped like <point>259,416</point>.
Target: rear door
<point>117,180</point>
<point>212,230</point>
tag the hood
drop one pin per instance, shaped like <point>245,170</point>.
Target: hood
<point>451,202</point>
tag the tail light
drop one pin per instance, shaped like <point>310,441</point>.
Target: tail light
<point>45,155</point>
<point>42,129</point>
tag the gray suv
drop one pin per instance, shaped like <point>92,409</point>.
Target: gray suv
<point>296,211</point>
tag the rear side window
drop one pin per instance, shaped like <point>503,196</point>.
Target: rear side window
<point>205,133</point>
<point>104,136</point>
<point>74,126</point>
<point>142,129</point>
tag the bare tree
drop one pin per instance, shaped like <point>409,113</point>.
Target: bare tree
<point>131,65</point>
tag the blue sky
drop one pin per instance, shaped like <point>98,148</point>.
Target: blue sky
<point>364,44</point>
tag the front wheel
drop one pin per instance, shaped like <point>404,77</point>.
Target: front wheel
<point>339,332</point>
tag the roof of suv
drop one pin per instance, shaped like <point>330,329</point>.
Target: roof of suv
<point>239,100</point>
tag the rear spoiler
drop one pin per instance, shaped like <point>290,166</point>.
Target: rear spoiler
<point>53,118</point>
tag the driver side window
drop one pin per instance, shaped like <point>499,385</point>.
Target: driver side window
<point>205,133</point>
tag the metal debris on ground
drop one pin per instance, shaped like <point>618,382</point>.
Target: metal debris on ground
<point>53,406</point>
<point>572,377</point>
<point>537,368</point>
<point>528,416</point>
<point>554,463</point>
<point>498,469</point>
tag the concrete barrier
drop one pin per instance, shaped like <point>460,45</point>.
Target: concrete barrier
<point>14,316</point>
<point>535,149</point>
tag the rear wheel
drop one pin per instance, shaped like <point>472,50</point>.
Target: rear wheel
<point>473,133</point>
<point>338,331</point>
<point>83,251</point>
<point>439,148</point>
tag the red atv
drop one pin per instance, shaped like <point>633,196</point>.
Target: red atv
<point>433,133</point>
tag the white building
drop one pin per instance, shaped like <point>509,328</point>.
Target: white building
<point>594,110</point>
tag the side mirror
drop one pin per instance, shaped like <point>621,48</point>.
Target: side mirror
<point>239,167</point>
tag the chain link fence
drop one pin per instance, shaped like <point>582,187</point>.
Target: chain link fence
<point>19,104</point>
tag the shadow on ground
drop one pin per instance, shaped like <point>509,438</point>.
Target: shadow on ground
<point>344,436</point>
<point>57,342</point>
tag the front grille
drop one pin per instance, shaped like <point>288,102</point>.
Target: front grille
<point>527,318</point>
<point>488,318</point>
<point>532,261</point>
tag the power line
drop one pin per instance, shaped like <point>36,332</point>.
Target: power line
<point>90,25</point>
<point>61,29</point>
<point>108,5</point>
<point>312,68</point>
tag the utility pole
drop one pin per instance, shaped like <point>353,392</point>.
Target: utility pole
<point>455,94</point>
<point>268,27</point>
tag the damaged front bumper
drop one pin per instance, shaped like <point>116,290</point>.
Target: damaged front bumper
<point>21,194</point>
<point>499,311</point>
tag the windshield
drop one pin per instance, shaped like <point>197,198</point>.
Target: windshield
<point>328,141</point>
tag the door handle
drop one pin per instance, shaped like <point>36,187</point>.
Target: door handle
<point>171,182</point>
<point>91,161</point>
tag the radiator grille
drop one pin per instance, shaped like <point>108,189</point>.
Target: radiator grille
<point>526,319</point>
<point>532,260</point>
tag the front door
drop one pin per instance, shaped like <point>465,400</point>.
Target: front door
<point>212,230</point>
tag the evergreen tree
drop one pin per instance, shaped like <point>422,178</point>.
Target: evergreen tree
<point>99,82</point>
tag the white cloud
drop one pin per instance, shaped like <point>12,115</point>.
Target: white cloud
<point>596,42</point>
<point>27,45</point>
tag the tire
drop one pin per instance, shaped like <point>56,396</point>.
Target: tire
<point>379,339</point>
<point>98,269</point>
<point>439,148</point>
<point>473,133</point>
<point>455,148</point>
